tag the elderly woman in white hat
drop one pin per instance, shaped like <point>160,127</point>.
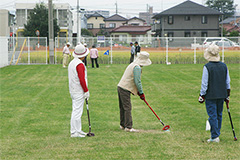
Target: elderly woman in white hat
<point>66,54</point>
<point>77,76</point>
<point>130,83</point>
<point>215,89</point>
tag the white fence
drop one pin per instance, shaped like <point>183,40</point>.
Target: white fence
<point>27,50</point>
<point>162,50</point>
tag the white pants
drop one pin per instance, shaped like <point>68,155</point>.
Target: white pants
<point>65,60</point>
<point>77,110</point>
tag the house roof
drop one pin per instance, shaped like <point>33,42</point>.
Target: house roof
<point>115,17</point>
<point>132,29</point>
<point>136,18</point>
<point>229,20</point>
<point>188,8</point>
<point>96,14</point>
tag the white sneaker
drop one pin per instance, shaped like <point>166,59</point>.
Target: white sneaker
<point>83,133</point>
<point>121,127</point>
<point>217,140</point>
<point>131,130</point>
<point>77,135</point>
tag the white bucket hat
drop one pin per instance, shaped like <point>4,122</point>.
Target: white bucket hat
<point>68,43</point>
<point>212,53</point>
<point>80,51</point>
<point>143,59</point>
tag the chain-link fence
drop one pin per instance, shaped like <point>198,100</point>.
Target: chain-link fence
<point>174,50</point>
<point>27,50</point>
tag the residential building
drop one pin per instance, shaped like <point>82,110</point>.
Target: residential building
<point>231,24</point>
<point>147,16</point>
<point>102,12</point>
<point>62,12</point>
<point>95,22</point>
<point>128,34</point>
<point>187,19</point>
<point>114,21</point>
<point>135,21</point>
<point>7,22</point>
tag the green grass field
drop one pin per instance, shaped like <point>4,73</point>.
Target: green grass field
<point>36,109</point>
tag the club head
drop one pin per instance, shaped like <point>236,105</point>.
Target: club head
<point>235,138</point>
<point>90,134</point>
<point>165,128</point>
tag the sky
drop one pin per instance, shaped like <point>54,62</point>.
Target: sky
<point>126,8</point>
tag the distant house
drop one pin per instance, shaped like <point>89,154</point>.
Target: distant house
<point>114,21</point>
<point>95,22</point>
<point>135,21</point>
<point>132,33</point>
<point>231,24</point>
<point>187,19</point>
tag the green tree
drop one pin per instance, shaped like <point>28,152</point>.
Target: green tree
<point>234,34</point>
<point>38,20</point>
<point>85,32</point>
<point>224,6</point>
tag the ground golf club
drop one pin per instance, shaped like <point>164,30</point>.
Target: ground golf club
<point>227,103</point>
<point>165,128</point>
<point>89,133</point>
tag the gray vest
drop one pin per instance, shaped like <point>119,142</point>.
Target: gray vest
<point>217,75</point>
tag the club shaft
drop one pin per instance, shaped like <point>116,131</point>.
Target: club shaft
<point>88,116</point>
<point>154,112</point>
<point>229,114</point>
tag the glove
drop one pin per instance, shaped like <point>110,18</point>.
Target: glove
<point>201,99</point>
<point>86,95</point>
<point>228,92</point>
<point>227,99</point>
<point>142,96</point>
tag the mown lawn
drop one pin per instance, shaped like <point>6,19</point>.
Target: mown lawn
<point>36,109</point>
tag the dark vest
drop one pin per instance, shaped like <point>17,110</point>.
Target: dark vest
<point>217,75</point>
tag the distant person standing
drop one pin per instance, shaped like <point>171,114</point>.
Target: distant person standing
<point>85,59</point>
<point>94,56</point>
<point>66,54</point>
<point>215,89</point>
<point>132,52</point>
<point>137,49</point>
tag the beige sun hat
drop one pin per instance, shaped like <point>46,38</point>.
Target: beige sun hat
<point>143,59</point>
<point>212,53</point>
<point>80,51</point>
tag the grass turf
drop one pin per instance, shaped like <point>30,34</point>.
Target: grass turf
<point>36,109</point>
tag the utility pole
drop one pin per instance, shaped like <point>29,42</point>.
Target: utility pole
<point>50,32</point>
<point>78,23</point>
<point>116,8</point>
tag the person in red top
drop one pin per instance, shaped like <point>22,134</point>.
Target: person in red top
<point>77,76</point>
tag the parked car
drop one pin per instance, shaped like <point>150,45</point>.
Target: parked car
<point>209,40</point>
<point>226,44</point>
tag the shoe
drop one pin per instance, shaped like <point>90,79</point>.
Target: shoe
<point>217,140</point>
<point>77,135</point>
<point>131,130</point>
<point>83,133</point>
<point>121,127</point>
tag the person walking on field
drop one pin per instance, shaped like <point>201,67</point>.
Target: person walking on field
<point>66,54</point>
<point>130,83</point>
<point>215,89</point>
<point>77,76</point>
<point>132,52</point>
<point>94,56</point>
<point>137,49</point>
